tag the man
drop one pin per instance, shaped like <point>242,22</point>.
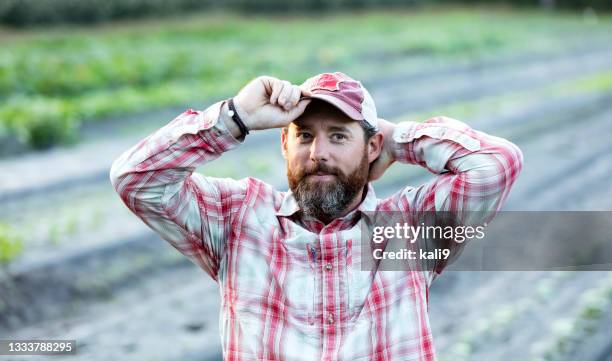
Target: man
<point>288,263</point>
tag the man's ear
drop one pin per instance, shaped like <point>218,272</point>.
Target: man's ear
<point>375,144</point>
<point>284,135</point>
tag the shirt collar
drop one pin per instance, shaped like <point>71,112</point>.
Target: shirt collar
<point>289,205</point>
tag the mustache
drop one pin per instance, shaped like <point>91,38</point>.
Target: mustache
<point>321,168</point>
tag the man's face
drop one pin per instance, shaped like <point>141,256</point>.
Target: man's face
<point>327,161</point>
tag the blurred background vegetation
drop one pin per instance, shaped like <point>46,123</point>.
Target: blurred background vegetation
<point>54,79</point>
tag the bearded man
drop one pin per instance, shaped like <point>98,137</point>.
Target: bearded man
<point>288,263</point>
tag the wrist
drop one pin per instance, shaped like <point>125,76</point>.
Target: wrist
<point>242,113</point>
<point>230,124</point>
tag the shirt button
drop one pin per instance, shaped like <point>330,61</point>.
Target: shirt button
<point>330,319</point>
<point>328,266</point>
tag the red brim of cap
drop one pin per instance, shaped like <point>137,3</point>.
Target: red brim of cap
<point>344,107</point>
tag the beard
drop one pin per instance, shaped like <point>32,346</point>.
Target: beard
<point>327,200</point>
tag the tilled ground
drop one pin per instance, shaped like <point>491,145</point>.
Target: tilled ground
<point>170,312</point>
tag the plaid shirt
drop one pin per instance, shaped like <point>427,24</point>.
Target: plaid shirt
<point>291,287</point>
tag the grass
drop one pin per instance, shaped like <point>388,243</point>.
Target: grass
<point>53,80</point>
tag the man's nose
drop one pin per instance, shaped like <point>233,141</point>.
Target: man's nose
<point>319,150</point>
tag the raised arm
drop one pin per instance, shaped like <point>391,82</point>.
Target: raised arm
<point>475,170</point>
<point>156,182</point>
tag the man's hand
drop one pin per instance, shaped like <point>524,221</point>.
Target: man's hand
<point>268,102</point>
<point>387,154</point>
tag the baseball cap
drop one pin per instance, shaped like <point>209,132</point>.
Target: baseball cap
<point>345,93</point>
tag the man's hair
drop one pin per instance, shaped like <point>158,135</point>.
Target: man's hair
<point>320,106</point>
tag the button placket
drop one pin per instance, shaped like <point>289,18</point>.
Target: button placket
<point>328,281</point>
<point>312,254</point>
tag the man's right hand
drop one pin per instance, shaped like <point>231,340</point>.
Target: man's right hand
<point>267,102</point>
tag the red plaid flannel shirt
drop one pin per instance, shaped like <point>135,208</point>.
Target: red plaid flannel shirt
<point>291,287</point>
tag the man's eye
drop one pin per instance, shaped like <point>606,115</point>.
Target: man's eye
<point>338,137</point>
<point>304,136</point>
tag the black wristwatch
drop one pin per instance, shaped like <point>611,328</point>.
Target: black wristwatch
<point>234,115</point>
